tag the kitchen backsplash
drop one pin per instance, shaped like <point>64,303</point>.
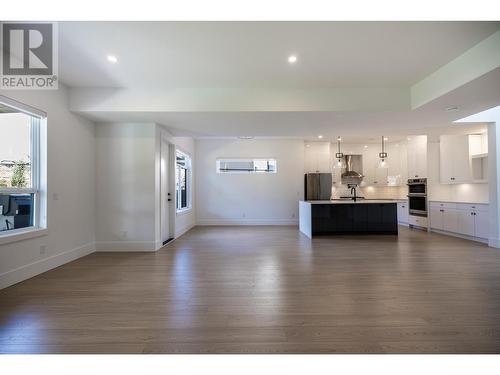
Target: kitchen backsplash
<point>372,192</point>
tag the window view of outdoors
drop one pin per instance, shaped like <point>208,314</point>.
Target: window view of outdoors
<point>15,150</point>
<point>182,167</point>
<point>16,203</point>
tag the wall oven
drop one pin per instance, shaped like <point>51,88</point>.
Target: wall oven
<point>417,196</point>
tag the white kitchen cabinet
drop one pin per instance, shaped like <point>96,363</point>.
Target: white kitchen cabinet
<point>451,220</point>
<point>478,144</point>
<point>467,219</point>
<point>444,218</point>
<point>454,159</point>
<point>481,224</point>
<point>370,159</point>
<point>466,222</point>
<point>417,156</point>
<point>403,212</point>
<point>394,175</point>
<point>317,157</point>
<point>418,221</point>
<point>436,217</point>
<point>380,176</point>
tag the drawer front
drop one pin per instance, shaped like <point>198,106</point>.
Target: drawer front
<point>443,204</point>
<point>418,221</point>
<point>473,207</point>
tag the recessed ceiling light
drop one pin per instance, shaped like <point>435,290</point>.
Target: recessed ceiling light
<point>245,137</point>
<point>112,59</point>
<point>366,146</point>
<point>292,59</point>
<point>452,108</point>
<point>386,139</point>
<point>308,145</point>
<point>320,136</point>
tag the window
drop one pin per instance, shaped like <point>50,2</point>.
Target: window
<point>182,181</point>
<point>246,166</point>
<point>19,167</point>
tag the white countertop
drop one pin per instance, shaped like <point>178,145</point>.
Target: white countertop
<point>459,202</point>
<point>359,201</point>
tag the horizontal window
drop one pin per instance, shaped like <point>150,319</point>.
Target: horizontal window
<point>246,166</point>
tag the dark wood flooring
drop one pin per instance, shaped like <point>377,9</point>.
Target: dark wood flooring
<point>264,290</point>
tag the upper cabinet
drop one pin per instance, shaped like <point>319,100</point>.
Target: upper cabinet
<point>455,161</point>
<point>397,173</point>
<point>417,156</point>
<point>478,150</point>
<point>317,157</point>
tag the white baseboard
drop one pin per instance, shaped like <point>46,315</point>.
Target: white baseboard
<point>248,222</point>
<point>494,242</point>
<point>458,235</point>
<point>125,246</point>
<point>179,232</point>
<point>43,265</point>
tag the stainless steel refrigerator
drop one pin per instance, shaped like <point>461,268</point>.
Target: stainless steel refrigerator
<point>318,186</point>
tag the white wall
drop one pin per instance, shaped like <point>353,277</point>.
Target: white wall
<point>249,198</point>
<point>125,186</point>
<point>71,184</point>
<point>187,219</point>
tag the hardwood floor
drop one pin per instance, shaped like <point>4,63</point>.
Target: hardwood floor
<point>264,290</point>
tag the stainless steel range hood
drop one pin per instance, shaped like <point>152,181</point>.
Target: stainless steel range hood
<point>352,174</point>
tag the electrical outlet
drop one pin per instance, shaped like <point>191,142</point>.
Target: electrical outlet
<point>124,234</point>
<point>43,249</point>
<point>244,215</point>
<point>293,215</point>
<point>55,196</point>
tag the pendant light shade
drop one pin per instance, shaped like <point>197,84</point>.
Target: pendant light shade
<point>339,156</point>
<point>382,163</point>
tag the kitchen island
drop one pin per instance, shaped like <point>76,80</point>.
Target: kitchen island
<point>363,216</point>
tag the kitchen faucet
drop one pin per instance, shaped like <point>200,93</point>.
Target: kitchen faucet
<point>353,192</point>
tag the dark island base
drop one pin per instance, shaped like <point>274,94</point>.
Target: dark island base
<point>346,219</point>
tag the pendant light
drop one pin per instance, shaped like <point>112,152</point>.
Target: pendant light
<point>382,163</point>
<point>340,163</point>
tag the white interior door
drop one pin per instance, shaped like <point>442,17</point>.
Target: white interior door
<point>165,193</point>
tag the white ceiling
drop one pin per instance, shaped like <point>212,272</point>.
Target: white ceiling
<point>254,54</point>
<point>170,56</point>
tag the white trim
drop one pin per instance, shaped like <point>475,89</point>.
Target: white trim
<point>21,234</point>
<point>24,108</point>
<point>43,265</point>
<point>183,211</point>
<point>179,232</point>
<point>125,246</point>
<point>247,222</point>
<point>458,235</point>
<point>494,242</point>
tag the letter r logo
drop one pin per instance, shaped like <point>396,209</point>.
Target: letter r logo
<point>27,49</point>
